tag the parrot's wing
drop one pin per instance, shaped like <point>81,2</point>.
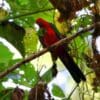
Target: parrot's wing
<point>41,32</point>
<point>59,35</point>
<point>40,35</point>
<point>41,40</point>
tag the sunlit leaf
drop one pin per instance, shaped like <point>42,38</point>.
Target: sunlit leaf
<point>5,54</point>
<point>30,41</point>
<point>13,34</point>
<point>57,91</point>
<point>1,86</point>
<point>47,76</point>
<point>29,76</point>
<point>3,14</point>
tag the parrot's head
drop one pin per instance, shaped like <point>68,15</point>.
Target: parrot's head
<point>42,23</point>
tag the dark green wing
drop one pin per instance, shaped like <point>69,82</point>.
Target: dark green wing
<point>59,35</point>
<point>41,33</point>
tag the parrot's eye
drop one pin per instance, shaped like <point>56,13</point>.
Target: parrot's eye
<point>40,25</point>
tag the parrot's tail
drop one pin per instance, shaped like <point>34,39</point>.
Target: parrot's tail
<point>72,67</point>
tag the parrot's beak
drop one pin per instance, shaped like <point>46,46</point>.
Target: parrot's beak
<point>36,27</point>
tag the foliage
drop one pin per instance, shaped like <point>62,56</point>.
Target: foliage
<point>17,27</point>
<point>57,91</point>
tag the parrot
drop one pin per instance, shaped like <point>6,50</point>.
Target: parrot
<point>48,34</point>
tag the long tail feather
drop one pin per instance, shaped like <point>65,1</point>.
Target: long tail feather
<point>72,67</point>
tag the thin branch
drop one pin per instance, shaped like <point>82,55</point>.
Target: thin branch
<point>37,54</point>
<point>30,13</point>
<point>72,91</point>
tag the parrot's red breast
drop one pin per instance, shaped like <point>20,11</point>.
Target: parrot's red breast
<point>50,37</point>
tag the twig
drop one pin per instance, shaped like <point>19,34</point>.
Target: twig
<point>37,54</point>
<point>93,97</point>
<point>88,92</point>
<point>72,91</point>
<point>30,13</point>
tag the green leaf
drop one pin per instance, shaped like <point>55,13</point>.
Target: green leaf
<point>57,91</point>
<point>24,5</point>
<point>47,76</point>
<point>13,34</point>
<point>5,54</point>
<point>23,2</point>
<point>26,43</point>
<point>30,72</point>
<point>3,14</point>
<point>27,8</point>
<point>1,86</point>
<point>30,41</point>
<point>84,20</point>
<point>30,76</point>
<point>5,94</point>
<point>3,66</point>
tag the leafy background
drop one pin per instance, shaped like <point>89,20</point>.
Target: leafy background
<point>19,31</point>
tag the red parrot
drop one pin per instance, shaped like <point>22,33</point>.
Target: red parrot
<point>48,35</point>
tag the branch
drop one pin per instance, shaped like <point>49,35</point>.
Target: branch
<point>37,54</point>
<point>68,98</point>
<point>30,13</point>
